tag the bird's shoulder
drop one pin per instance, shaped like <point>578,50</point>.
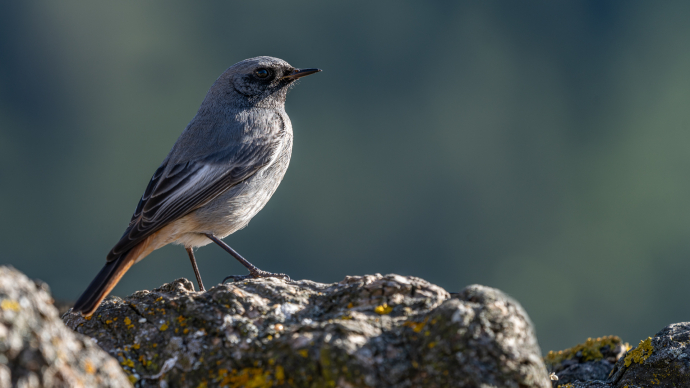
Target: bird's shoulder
<point>230,133</point>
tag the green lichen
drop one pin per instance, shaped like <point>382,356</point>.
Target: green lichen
<point>640,353</point>
<point>590,350</point>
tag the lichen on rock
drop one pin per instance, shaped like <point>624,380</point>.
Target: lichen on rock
<point>365,331</point>
<point>659,361</point>
<point>640,353</point>
<point>591,360</point>
<point>37,350</point>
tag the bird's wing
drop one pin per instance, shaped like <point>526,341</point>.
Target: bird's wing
<point>176,191</point>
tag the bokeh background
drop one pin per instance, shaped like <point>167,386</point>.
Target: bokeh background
<point>539,147</point>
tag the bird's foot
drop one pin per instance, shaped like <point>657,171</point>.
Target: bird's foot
<point>255,275</point>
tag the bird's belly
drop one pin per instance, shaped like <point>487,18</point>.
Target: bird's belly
<point>233,210</point>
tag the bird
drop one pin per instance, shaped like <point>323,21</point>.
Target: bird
<point>221,172</point>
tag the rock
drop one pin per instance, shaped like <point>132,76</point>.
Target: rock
<point>37,350</point>
<point>662,361</point>
<point>368,331</point>
<point>589,361</point>
<point>588,384</point>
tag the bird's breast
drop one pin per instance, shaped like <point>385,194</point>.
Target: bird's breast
<point>232,210</point>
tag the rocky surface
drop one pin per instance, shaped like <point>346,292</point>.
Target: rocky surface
<point>369,331</point>
<point>661,361</point>
<point>592,360</point>
<point>37,350</point>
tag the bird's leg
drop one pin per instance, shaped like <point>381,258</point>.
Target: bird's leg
<point>190,252</point>
<point>253,271</point>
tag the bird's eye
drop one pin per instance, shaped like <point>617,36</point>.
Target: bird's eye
<point>261,73</point>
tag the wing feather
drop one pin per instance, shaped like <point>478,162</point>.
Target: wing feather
<point>174,191</point>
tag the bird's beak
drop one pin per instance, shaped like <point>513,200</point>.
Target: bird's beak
<point>299,73</point>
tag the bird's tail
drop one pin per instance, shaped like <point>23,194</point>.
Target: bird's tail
<point>106,280</point>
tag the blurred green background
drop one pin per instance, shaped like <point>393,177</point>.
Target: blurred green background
<point>539,147</point>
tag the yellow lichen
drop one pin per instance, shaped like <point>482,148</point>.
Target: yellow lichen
<point>640,353</point>
<point>8,304</point>
<point>303,352</point>
<point>280,375</point>
<point>383,309</point>
<point>163,327</point>
<point>136,346</point>
<point>350,305</point>
<point>128,321</point>
<point>127,362</point>
<point>159,299</point>
<point>251,378</point>
<point>132,379</point>
<point>417,327</point>
<point>89,368</point>
<point>590,350</point>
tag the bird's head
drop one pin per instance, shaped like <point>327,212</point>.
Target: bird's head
<point>260,81</point>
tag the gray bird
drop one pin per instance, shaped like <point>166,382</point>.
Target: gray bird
<point>222,170</point>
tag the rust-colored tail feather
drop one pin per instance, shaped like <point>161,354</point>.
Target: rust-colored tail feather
<point>106,280</point>
<point>103,283</point>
